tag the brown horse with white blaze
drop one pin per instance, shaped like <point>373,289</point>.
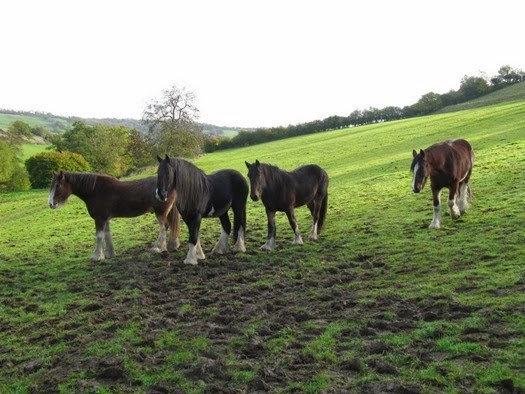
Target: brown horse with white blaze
<point>448,164</point>
<point>107,197</point>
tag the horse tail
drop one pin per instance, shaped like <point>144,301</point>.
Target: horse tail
<point>174,224</point>
<point>322,213</point>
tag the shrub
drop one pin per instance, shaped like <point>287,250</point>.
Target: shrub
<point>42,166</point>
<point>19,181</point>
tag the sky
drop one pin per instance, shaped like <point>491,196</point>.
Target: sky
<point>250,63</point>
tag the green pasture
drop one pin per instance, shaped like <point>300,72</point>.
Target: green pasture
<point>52,123</point>
<point>417,310</point>
<point>29,150</point>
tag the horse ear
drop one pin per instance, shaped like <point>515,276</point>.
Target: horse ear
<point>422,152</point>
<point>257,163</point>
<point>159,159</point>
<point>414,153</point>
<point>248,165</point>
<point>61,174</point>
<point>167,158</point>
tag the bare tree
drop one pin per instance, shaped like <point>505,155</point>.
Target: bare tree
<point>172,123</point>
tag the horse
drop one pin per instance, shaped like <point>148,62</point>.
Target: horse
<point>283,191</point>
<point>106,197</point>
<point>448,164</point>
<point>201,196</point>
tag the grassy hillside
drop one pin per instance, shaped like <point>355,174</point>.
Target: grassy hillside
<point>514,92</point>
<point>380,304</point>
<point>50,122</point>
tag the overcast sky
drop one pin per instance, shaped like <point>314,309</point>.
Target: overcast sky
<point>250,63</point>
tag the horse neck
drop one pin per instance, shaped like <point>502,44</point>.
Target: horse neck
<point>192,187</point>
<point>82,185</point>
<point>274,178</point>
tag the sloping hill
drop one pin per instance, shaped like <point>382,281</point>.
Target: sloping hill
<point>50,122</point>
<point>514,92</point>
<point>380,304</point>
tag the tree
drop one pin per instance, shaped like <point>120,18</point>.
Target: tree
<point>473,87</point>
<point>172,123</point>
<point>139,150</point>
<point>428,103</point>
<point>20,129</point>
<point>104,147</point>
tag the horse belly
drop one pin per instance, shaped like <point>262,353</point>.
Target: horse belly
<point>131,210</point>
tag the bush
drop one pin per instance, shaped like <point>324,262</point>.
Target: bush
<point>19,181</point>
<point>42,166</point>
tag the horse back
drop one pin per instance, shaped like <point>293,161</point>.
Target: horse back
<point>451,161</point>
<point>227,187</point>
<point>129,198</point>
<point>309,181</point>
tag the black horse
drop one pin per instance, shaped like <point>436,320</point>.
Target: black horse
<point>282,191</point>
<point>448,164</point>
<point>200,195</point>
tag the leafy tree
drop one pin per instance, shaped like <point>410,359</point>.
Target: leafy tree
<point>172,123</point>
<point>473,87</point>
<point>140,150</point>
<point>20,129</point>
<point>104,147</point>
<point>428,103</point>
<point>8,163</point>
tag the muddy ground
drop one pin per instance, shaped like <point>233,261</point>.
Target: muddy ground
<point>242,307</point>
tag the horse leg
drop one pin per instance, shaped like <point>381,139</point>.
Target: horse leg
<point>100,227</point>
<point>315,209</point>
<point>464,193</point>
<point>454,210</point>
<point>174,226</point>
<point>160,246</point>
<point>272,232</point>
<point>198,250</point>
<point>110,251</point>
<point>239,225</point>
<point>436,220</point>
<point>295,227</point>
<point>193,228</point>
<point>226,228</point>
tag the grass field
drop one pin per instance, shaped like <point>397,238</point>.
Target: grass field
<point>32,149</point>
<point>379,304</point>
<point>51,123</point>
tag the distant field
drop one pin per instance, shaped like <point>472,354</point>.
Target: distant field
<point>32,149</point>
<point>51,123</point>
<point>379,304</point>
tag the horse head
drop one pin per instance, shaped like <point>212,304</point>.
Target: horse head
<point>59,191</point>
<point>420,169</point>
<point>255,174</point>
<point>164,178</point>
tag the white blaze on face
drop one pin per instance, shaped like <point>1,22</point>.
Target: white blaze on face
<point>416,168</point>
<point>51,198</point>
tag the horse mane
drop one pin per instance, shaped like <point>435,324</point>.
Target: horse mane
<point>82,181</point>
<point>274,175</point>
<point>191,184</point>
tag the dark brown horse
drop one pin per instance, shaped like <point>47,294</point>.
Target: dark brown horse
<point>107,197</point>
<point>448,164</point>
<point>201,195</point>
<point>283,191</point>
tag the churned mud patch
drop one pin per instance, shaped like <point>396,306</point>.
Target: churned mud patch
<point>236,324</point>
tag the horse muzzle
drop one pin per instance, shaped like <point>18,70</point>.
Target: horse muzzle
<point>161,196</point>
<point>254,197</point>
